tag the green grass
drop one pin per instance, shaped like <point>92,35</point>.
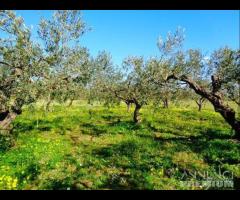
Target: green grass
<point>92,147</point>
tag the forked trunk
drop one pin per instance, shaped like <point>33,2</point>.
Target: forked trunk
<point>200,103</point>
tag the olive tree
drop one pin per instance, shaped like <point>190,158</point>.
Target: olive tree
<point>225,64</point>
<point>104,80</point>
<point>165,90</point>
<point>129,84</point>
<point>136,87</point>
<point>67,62</point>
<point>21,67</point>
<point>223,74</point>
<point>29,70</point>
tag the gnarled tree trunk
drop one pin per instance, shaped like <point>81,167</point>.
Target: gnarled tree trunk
<point>8,116</point>
<point>227,113</point>
<point>7,121</point>
<point>136,114</point>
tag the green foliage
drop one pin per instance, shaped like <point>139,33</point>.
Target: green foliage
<point>19,63</point>
<point>53,67</point>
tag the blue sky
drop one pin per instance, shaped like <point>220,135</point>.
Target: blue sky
<point>135,32</point>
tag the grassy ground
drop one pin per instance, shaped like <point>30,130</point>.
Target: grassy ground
<point>92,147</point>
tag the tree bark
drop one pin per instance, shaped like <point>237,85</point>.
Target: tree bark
<point>3,115</point>
<point>8,116</point>
<point>165,103</point>
<point>136,114</point>
<point>47,108</point>
<point>200,107</point>
<point>7,121</point>
<point>227,113</point>
<point>128,107</point>
<point>70,103</point>
<point>200,103</point>
<point>129,102</point>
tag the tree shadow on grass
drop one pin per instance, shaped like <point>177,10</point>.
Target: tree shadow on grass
<point>111,117</point>
<point>91,129</point>
<point>216,134</point>
<point>132,169</point>
<point>209,134</point>
<point>127,125</point>
<point>216,147</point>
<point>123,148</point>
<point>22,127</point>
<point>213,145</point>
<point>111,127</point>
<point>39,125</point>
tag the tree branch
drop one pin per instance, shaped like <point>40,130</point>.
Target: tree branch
<point>4,63</point>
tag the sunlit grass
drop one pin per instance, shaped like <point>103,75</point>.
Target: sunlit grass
<point>92,147</point>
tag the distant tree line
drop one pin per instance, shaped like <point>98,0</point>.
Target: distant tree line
<point>55,67</point>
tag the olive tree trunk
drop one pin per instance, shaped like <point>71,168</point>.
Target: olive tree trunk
<point>8,116</point>
<point>200,103</point>
<point>47,107</point>
<point>136,114</point>
<point>5,124</point>
<point>70,103</point>
<point>165,103</point>
<point>128,107</point>
<point>227,113</point>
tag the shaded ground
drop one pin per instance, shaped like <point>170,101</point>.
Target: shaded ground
<point>99,148</point>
